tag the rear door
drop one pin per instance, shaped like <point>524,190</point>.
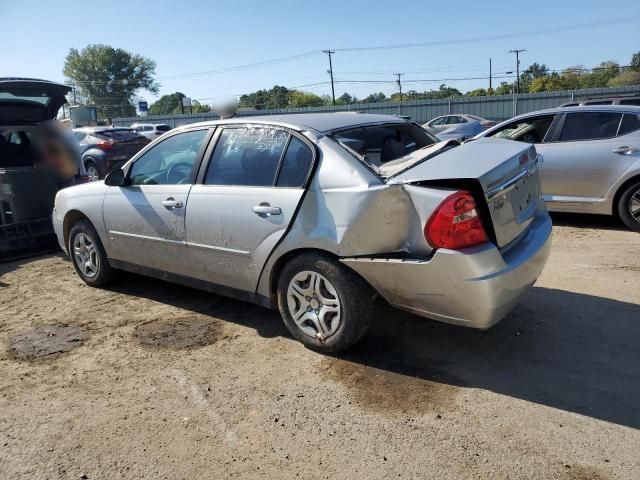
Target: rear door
<point>145,219</point>
<point>246,197</point>
<point>585,157</point>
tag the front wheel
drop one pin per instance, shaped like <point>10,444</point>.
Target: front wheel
<point>88,256</point>
<point>629,207</point>
<point>325,305</point>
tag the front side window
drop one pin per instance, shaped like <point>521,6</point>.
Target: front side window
<point>247,156</point>
<point>456,120</point>
<point>170,162</point>
<point>439,121</point>
<point>529,130</point>
<point>590,126</point>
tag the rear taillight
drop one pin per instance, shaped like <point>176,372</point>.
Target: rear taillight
<point>105,144</point>
<point>456,223</point>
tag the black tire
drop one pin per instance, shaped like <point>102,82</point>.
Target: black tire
<point>103,271</point>
<point>90,164</point>
<point>631,193</point>
<point>354,295</point>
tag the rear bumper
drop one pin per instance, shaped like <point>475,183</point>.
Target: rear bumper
<point>475,287</point>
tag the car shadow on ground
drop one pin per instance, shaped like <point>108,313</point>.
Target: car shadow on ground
<point>566,350</point>
<point>583,220</point>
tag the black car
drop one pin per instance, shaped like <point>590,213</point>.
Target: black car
<point>38,156</point>
<point>105,148</point>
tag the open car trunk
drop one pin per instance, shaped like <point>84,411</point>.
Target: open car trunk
<point>503,176</point>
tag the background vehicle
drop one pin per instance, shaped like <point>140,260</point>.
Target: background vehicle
<point>619,100</point>
<point>104,148</point>
<point>316,212</point>
<point>37,157</point>
<point>591,157</point>
<point>149,130</point>
<point>439,124</point>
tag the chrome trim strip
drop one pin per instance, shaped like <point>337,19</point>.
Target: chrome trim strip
<point>147,237</point>
<point>511,183</point>
<point>232,251</point>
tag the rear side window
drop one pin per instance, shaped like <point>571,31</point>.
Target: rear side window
<point>247,156</point>
<point>590,126</point>
<point>163,128</point>
<point>630,123</point>
<point>379,144</point>
<point>631,101</point>
<point>529,130</point>
<point>295,164</point>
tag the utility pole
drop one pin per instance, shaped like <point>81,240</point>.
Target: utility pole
<point>330,72</point>
<point>490,86</point>
<point>517,52</point>
<point>75,102</point>
<point>400,88</point>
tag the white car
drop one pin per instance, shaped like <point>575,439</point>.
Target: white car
<point>150,130</point>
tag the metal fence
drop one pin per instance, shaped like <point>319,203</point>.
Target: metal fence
<point>495,107</point>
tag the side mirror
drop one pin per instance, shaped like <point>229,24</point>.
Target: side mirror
<point>115,178</point>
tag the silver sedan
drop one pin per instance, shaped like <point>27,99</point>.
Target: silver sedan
<point>591,157</point>
<point>318,214</point>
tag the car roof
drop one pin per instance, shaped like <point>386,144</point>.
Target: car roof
<point>585,108</point>
<point>320,122</point>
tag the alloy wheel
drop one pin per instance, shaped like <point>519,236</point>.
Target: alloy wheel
<point>92,173</point>
<point>314,304</point>
<point>85,255</point>
<point>634,206</point>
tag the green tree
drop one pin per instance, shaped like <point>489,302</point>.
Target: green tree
<point>505,88</point>
<point>375,98</point>
<point>346,99</point>
<point>167,104</point>
<point>635,62</point>
<point>626,77</point>
<point>304,99</point>
<point>277,97</point>
<point>197,107</point>
<point>535,70</point>
<point>109,77</point>
<point>478,92</point>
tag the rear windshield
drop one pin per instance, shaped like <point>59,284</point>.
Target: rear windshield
<point>163,128</point>
<point>29,95</point>
<point>379,144</point>
<point>119,134</point>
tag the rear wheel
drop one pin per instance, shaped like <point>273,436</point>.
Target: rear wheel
<point>324,305</point>
<point>629,207</point>
<point>88,256</point>
<point>92,170</point>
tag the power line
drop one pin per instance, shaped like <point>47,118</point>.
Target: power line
<point>559,29</point>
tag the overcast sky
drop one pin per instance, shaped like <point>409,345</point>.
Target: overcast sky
<point>190,37</point>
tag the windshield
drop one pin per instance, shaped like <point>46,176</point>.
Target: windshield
<point>378,144</point>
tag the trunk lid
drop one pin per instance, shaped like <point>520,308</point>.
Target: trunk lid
<point>30,101</point>
<point>126,143</point>
<point>507,172</point>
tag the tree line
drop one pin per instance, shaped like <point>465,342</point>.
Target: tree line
<point>109,79</point>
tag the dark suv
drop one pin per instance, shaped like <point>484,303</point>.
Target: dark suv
<point>38,156</point>
<point>104,148</point>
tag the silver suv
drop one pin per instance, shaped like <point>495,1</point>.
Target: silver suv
<point>591,157</point>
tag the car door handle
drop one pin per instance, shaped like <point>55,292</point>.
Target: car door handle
<point>172,203</point>
<point>265,210</point>
<point>625,150</point>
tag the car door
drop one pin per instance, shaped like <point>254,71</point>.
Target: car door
<point>247,196</point>
<point>145,219</point>
<point>585,157</point>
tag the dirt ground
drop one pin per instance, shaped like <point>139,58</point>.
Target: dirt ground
<point>152,380</point>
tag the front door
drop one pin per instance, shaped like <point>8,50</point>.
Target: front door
<point>145,220</point>
<point>249,195</point>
